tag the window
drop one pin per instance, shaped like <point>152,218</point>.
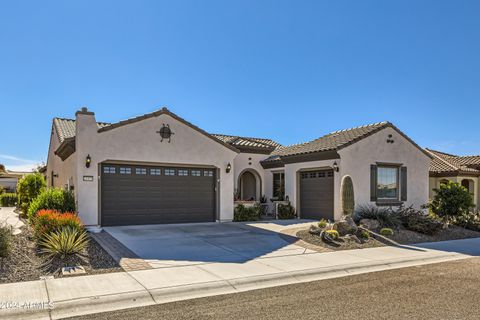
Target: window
<point>140,171</point>
<point>155,172</point>
<point>278,185</point>
<point>196,173</point>
<point>109,170</point>
<point>125,170</point>
<point>387,182</point>
<point>169,172</point>
<point>313,175</point>
<point>208,173</point>
<point>183,172</point>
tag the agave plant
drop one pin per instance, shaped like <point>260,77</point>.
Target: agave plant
<point>63,242</point>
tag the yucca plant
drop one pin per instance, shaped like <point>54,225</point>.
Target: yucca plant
<point>63,242</point>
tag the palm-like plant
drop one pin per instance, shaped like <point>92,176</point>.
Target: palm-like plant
<point>63,242</point>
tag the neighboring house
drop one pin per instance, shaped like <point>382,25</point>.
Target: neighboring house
<point>159,168</point>
<point>9,179</point>
<point>462,169</point>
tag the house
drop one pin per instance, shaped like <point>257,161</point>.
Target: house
<point>160,168</point>
<point>9,179</point>
<point>462,169</point>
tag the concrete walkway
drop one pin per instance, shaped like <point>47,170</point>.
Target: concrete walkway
<point>107,292</point>
<point>9,217</point>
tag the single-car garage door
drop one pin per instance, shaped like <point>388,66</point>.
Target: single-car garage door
<point>136,194</point>
<point>316,194</point>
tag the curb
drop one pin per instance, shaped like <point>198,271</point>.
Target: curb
<point>112,302</point>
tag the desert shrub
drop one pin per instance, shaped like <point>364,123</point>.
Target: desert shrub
<point>63,242</point>
<point>53,199</point>
<point>470,221</point>
<point>286,211</point>
<point>322,223</point>
<point>2,190</point>
<point>5,240</point>
<point>8,199</point>
<point>243,213</point>
<point>418,221</point>
<point>364,234</point>
<point>333,234</point>
<point>451,200</point>
<point>386,232</point>
<point>28,188</point>
<point>48,221</point>
<point>385,216</point>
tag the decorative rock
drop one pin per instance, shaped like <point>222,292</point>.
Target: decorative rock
<point>315,230</point>
<point>370,224</point>
<point>71,271</point>
<point>345,227</point>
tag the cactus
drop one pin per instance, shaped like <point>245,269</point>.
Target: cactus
<point>348,199</point>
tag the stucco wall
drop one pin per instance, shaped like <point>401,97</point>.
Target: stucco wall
<point>64,169</point>
<point>242,161</point>
<point>139,142</point>
<point>357,158</point>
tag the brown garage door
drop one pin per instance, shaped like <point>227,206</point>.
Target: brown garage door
<point>316,194</point>
<point>135,194</point>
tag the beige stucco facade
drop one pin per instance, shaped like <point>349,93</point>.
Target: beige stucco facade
<point>138,142</point>
<point>473,183</point>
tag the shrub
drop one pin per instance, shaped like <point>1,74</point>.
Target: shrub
<point>48,221</point>
<point>469,221</point>
<point>2,189</point>
<point>385,216</point>
<point>386,232</point>
<point>5,240</point>
<point>451,200</point>
<point>364,234</point>
<point>63,242</point>
<point>8,199</point>
<point>322,223</point>
<point>285,211</point>
<point>53,199</point>
<point>28,188</point>
<point>333,234</point>
<point>417,221</point>
<point>243,213</point>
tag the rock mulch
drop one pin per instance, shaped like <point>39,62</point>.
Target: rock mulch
<point>404,236</point>
<point>26,263</point>
<point>316,240</point>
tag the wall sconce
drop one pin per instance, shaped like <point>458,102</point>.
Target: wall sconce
<point>88,160</point>
<point>335,167</point>
<point>229,168</point>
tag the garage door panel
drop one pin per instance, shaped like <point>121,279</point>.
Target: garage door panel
<point>147,198</point>
<point>316,194</point>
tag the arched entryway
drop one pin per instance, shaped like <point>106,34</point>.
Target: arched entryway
<point>469,184</point>
<point>249,185</point>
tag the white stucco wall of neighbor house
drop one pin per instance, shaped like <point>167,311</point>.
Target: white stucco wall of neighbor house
<point>250,162</point>
<point>357,158</point>
<point>140,142</point>
<point>65,170</point>
<point>292,182</point>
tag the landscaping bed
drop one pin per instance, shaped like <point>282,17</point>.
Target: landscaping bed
<point>316,240</point>
<point>26,263</point>
<point>404,236</point>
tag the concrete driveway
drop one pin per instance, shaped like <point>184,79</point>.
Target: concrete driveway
<point>189,244</point>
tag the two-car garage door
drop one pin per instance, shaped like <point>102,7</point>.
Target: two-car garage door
<point>137,194</point>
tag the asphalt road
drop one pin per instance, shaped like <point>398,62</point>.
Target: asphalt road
<point>439,291</point>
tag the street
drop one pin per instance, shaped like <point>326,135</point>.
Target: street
<point>439,291</point>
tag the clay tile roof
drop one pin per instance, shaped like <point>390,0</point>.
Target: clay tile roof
<point>445,163</point>
<point>238,141</point>
<point>332,141</point>
<point>66,127</point>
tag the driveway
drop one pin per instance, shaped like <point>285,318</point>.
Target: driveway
<point>190,244</point>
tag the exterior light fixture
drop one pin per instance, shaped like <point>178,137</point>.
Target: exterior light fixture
<point>88,160</point>
<point>229,168</point>
<point>335,167</point>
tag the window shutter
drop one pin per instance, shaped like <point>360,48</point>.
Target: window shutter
<point>373,182</point>
<point>403,183</point>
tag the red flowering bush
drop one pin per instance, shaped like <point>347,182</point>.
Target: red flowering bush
<point>48,221</point>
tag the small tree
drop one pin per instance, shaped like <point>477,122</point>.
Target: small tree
<point>28,188</point>
<point>451,200</point>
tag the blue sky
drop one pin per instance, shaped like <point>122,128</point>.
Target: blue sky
<point>288,70</point>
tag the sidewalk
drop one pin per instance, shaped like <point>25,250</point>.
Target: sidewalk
<point>108,292</point>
